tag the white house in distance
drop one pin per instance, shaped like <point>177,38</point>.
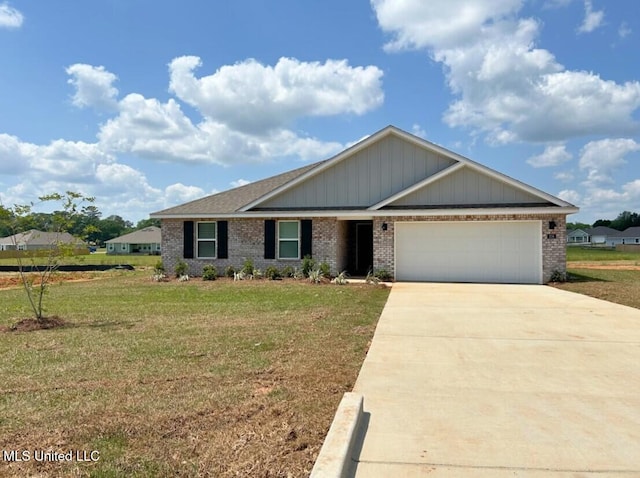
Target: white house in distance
<point>578,236</point>
<point>143,241</point>
<point>33,240</point>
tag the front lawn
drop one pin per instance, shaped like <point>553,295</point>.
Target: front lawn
<point>181,379</point>
<point>588,254</point>
<point>614,285</point>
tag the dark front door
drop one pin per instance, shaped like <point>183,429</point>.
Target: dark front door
<point>360,246</point>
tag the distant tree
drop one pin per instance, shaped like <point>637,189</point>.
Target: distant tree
<point>113,226</point>
<point>624,220</point>
<point>602,222</point>
<point>36,284</point>
<point>6,219</point>
<point>147,222</point>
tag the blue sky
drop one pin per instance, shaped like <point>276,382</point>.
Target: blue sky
<point>147,104</point>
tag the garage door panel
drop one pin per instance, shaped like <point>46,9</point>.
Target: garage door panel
<point>502,252</point>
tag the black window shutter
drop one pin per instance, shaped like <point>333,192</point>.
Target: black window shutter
<point>223,242</point>
<point>306,238</point>
<point>187,251</point>
<point>269,239</point>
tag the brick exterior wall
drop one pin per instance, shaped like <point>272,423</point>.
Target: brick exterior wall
<point>246,241</point>
<point>329,236</point>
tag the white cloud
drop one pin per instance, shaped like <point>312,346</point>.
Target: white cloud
<point>624,30</point>
<point>552,155</point>
<point>592,19</point>
<point>10,17</point>
<point>570,196</point>
<point>600,158</point>
<point>94,86</point>
<point>564,176</point>
<point>179,193</point>
<point>507,88</point>
<point>253,98</point>
<point>418,130</point>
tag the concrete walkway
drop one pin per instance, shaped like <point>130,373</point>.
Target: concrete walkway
<point>479,380</point>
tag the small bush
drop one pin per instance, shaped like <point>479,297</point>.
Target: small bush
<point>558,276</point>
<point>257,274</point>
<point>272,273</point>
<point>383,275</point>
<point>287,271</point>
<point>308,264</point>
<point>371,279</point>
<point>229,271</point>
<point>325,269</point>
<point>315,276</point>
<point>341,279</point>
<point>209,272</point>
<point>247,268</point>
<point>181,269</point>
<point>158,269</point>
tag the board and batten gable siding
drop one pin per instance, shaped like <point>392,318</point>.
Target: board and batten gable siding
<point>366,178</point>
<point>465,187</point>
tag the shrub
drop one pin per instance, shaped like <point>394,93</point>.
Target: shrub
<point>383,275</point>
<point>325,269</point>
<point>247,268</point>
<point>315,276</point>
<point>181,269</point>
<point>229,271</point>
<point>158,269</point>
<point>371,279</point>
<point>209,272</point>
<point>341,279</point>
<point>558,276</point>
<point>308,264</point>
<point>272,273</point>
<point>257,274</point>
<point>287,271</point>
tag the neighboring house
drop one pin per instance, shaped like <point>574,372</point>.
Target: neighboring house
<point>629,236</point>
<point>34,240</point>
<point>577,236</point>
<point>602,235</point>
<point>392,201</point>
<point>142,241</point>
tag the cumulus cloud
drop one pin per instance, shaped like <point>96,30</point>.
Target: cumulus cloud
<point>253,98</point>
<point>507,87</point>
<point>94,86</point>
<point>239,182</point>
<point>592,19</point>
<point>570,196</point>
<point>10,17</point>
<point>624,30</point>
<point>564,176</point>
<point>600,158</point>
<point>552,155</point>
<point>179,193</point>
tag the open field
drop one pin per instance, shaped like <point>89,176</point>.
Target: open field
<point>605,274</point>
<point>181,379</point>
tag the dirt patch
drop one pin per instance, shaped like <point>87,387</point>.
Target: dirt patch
<point>13,281</point>
<point>28,325</point>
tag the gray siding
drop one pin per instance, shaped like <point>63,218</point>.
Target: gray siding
<point>466,187</point>
<point>367,177</point>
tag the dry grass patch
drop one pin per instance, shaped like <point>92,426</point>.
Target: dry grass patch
<point>182,379</point>
<point>615,285</point>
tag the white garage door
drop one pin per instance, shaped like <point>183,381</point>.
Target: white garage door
<point>500,252</point>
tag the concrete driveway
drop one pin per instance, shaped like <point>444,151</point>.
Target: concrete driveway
<point>487,380</point>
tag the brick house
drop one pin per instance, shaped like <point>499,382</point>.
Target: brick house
<point>392,201</point>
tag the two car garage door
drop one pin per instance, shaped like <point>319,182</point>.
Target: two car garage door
<point>497,252</point>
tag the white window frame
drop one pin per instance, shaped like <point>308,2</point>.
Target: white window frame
<point>215,241</point>
<point>298,240</point>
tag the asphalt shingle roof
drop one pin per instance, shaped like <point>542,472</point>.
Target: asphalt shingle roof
<point>231,201</point>
<point>148,235</point>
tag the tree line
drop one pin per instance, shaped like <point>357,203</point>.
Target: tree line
<point>88,224</point>
<point>625,220</point>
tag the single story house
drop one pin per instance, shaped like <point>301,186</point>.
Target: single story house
<point>629,236</point>
<point>578,236</point>
<point>392,201</point>
<point>37,240</point>
<point>602,235</point>
<point>143,241</point>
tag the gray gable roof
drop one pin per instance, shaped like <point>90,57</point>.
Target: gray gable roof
<point>348,182</point>
<point>34,237</point>
<point>148,235</point>
<point>228,202</point>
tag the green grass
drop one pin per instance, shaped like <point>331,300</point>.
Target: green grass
<point>99,258</point>
<point>619,286</point>
<point>190,379</point>
<point>576,253</point>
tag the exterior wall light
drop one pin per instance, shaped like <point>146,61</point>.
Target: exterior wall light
<point>384,226</point>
